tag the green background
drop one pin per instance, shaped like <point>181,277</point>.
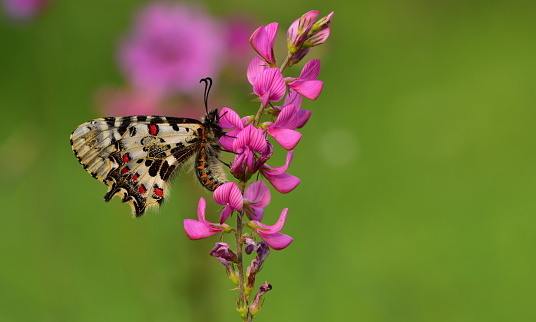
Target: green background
<point>418,174</point>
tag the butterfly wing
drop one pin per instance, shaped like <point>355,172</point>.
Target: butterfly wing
<point>137,155</point>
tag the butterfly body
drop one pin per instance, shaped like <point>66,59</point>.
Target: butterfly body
<point>136,156</point>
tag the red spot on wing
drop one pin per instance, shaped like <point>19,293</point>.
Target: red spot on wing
<point>125,170</point>
<point>134,177</point>
<point>159,192</point>
<point>142,189</point>
<point>126,157</point>
<point>153,129</point>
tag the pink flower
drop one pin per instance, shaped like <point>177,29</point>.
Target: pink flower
<point>198,229</point>
<point>269,85</point>
<point>296,99</point>
<point>115,102</point>
<point>229,119</point>
<point>24,9</point>
<point>238,31</point>
<point>305,33</point>
<point>320,31</point>
<point>283,128</point>
<point>256,197</point>
<point>228,194</point>
<point>299,30</point>
<point>307,84</point>
<point>271,234</point>
<point>248,141</point>
<point>282,182</point>
<point>171,47</point>
<point>262,41</point>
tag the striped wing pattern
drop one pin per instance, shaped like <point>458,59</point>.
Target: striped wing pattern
<point>137,155</point>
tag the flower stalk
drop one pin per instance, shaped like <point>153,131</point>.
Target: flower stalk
<point>248,138</point>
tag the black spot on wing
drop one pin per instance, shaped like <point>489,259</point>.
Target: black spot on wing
<point>155,167</point>
<point>168,173</point>
<point>125,122</point>
<point>164,168</point>
<point>156,120</point>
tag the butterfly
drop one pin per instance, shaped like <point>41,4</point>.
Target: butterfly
<point>136,156</point>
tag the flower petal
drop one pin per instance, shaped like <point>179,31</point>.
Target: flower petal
<point>262,41</point>
<point>310,89</point>
<point>230,119</point>
<point>251,137</point>
<point>303,117</point>
<point>286,137</point>
<point>227,211</point>
<point>270,86</point>
<point>255,213</point>
<point>283,183</point>
<point>311,70</point>
<point>277,241</point>
<point>258,193</point>
<point>229,194</point>
<point>197,230</point>
<point>283,168</point>
<point>255,67</point>
<point>288,117</point>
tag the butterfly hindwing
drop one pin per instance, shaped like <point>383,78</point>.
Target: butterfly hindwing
<point>137,155</point>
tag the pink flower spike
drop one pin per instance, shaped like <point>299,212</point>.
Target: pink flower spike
<point>270,86</point>
<point>271,234</point>
<point>257,196</point>
<point>198,229</point>
<point>262,41</point>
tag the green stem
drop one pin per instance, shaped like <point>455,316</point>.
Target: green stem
<point>243,298</point>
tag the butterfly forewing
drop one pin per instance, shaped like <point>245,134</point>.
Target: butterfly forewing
<point>137,155</point>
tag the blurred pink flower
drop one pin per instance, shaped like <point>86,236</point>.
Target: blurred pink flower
<point>171,47</point>
<point>23,9</point>
<point>120,102</point>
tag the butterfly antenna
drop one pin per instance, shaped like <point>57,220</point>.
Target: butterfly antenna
<point>208,86</point>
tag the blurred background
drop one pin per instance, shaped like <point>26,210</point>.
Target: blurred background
<point>418,166</point>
